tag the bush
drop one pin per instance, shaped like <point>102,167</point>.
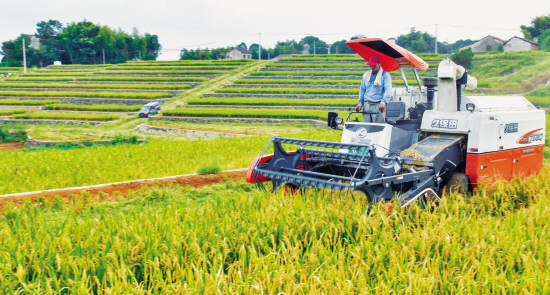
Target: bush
<point>12,133</point>
<point>464,58</point>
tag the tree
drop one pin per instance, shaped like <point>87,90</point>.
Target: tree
<point>340,47</point>
<point>538,25</point>
<point>544,40</point>
<point>50,44</point>
<point>464,58</point>
<point>315,44</point>
<point>13,52</point>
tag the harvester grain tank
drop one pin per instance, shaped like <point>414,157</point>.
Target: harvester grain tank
<point>434,136</point>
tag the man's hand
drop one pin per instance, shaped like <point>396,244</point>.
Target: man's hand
<point>381,106</point>
<point>358,108</point>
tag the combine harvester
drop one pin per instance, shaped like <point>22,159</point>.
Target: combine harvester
<point>430,141</point>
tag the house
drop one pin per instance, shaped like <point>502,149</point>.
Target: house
<point>238,53</point>
<point>35,42</point>
<point>487,43</point>
<point>306,49</point>
<point>515,44</point>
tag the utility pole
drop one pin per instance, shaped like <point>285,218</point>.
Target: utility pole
<point>313,47</point>
<point>24,57</point>
<point>328,48</point>
<point>103,54</point>
<point>435,38</point>
<point>260,46</point>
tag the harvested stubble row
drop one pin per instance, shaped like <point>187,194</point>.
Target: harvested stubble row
<point>95,107</point>
<point>28,102</point>
<point>308,73</point>
<point>112,78</point>
<point>246,113</point>
<point>124,95</point>
<point>310,81</point>
<point>288,90</point>
<point>60,116</point>
<point>80,66</point>
<point>171,68</point>
<point>159,72</point>
<point>97,86</point>
<point>12,111</point>
<point>271,101</point>
<point>54,74</point>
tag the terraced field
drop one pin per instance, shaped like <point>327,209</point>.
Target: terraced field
<point>92,92</point>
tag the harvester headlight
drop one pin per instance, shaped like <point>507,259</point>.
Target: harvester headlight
<point>470,107</point>
<point>339,120</point>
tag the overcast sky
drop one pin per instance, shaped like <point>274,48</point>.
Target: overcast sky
<point>209,23</point>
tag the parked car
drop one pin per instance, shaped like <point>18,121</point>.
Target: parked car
<point>149,109</point>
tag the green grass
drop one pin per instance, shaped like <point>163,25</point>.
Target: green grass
<point>542,101</point>
<point>271,101</point>
<point>247,113</point>
<point>28,102</point>
<point>112,78</point>
<point>123,95</point>
<point>288,90</point>
<point>95,107</point>
<point>232,239</point>
<point>12,112</point>
<point>97,86</point>
<point>60,116</point>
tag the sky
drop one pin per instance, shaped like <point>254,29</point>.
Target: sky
<point>208,23</point>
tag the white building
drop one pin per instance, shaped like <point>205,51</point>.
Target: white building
<point>35,42</point>
<point>487,43</point>
<point>516,44</point>
<point>238,53</point>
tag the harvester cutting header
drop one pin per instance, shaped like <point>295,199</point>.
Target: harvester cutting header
<point>433,137</point>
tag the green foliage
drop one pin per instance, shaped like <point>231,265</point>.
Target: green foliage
<point>417,41</point>
<point>544,40</point>
<point>544,92</point>
<point>12,133</point>
<point>209,169</point>
<point>160,72</point>
<point>123,95</point>
<point>281,90</point>
<point>318,65</point>
<point>252,113</point>
<point>61,116</point>
<point>95,107</point>
<point>12,112</point>
<point>28,102</point>
<point>464,58</point>
<point>12,51</point>
<point>97,86</point>
<point>271,101</point>
<point>538,26</point>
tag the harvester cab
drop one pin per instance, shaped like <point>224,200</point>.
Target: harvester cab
<point>444,139</point>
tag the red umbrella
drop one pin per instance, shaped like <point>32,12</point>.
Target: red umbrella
<point>391,55</point>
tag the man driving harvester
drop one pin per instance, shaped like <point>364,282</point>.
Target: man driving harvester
<point>375,92</point>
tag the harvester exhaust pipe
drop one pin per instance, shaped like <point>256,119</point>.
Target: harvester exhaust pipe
<point>430,83</point>
<point>451,77</point>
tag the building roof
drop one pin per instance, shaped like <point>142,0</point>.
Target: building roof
<point>242,50</point>
<point>491,36</point>
<point>522,39</point>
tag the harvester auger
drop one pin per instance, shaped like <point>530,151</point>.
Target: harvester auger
<point>429,140</point>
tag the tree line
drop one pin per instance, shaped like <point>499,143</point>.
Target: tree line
<point>79,43</point>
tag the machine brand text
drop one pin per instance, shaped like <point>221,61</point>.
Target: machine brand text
<point>533,136</point>
<point>445,123</point>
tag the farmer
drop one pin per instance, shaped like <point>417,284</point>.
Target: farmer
<point>375,92</point>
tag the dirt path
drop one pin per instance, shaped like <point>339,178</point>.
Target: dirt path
<point>10,146</point>
<point>108,189</point>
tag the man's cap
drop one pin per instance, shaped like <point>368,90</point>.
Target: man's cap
<point>373,60</point>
